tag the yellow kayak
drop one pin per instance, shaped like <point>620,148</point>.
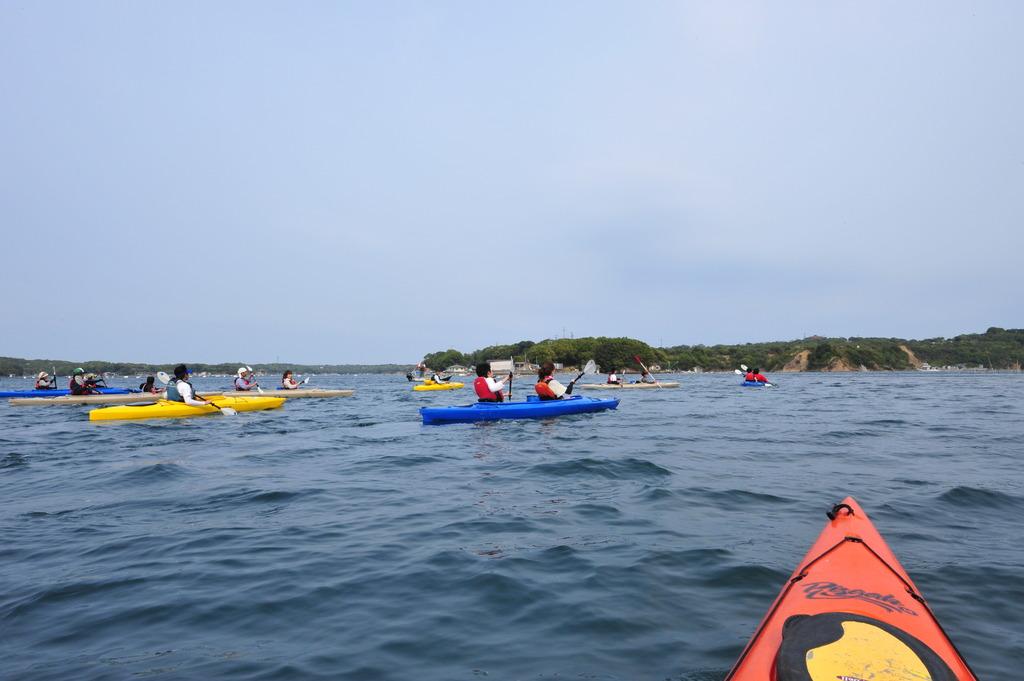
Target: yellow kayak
<point>430,385</point>
<point>165,409</point>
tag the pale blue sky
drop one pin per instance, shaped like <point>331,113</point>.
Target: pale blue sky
<point>426,175</point>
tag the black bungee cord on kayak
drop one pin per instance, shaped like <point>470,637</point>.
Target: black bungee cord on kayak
<point>834,513</point>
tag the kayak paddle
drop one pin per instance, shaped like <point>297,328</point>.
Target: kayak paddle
<point>258,388</point>
<point>227,411</point>
<point>511,373</point>
<point>589,368</point>
<point>638,361</point>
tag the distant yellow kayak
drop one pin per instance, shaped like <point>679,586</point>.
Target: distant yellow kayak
<point>165,409</point>
<point>430,385</point>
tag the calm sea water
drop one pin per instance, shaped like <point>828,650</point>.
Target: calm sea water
<point>341,539</point>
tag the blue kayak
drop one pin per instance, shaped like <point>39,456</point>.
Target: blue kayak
<point>532,408</point>
<point>60,393</point>
<point>753,384</point>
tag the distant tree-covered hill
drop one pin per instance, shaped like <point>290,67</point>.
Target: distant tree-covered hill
<point>996,348</point>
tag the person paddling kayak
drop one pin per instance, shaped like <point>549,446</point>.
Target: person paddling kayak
<point>645,377</point>
<point>82,383</point>
<point>181,390</point>
<point>150,386</point>
<point>245,380</point>
<point>755,376</point>
<point>613,378</point>
<point>547,387</point>
<point>288,381</point>
<point>45,382</point>
<point>487,389</point>
<point>436,378</point>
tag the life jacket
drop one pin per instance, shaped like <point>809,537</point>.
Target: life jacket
<point>484,393</point>
<point>544,390</point>
<point>243,384</point>
<point>172,393</point>
<point>82,388</point>
<point>760,379</point>
<point>750,377</point>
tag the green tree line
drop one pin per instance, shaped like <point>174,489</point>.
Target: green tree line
<point>996,348</point>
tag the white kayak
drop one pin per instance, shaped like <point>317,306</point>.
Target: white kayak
<point>72,400</point>
<point>147,398</point>
<point>629,386</point>
<point>303,392</point>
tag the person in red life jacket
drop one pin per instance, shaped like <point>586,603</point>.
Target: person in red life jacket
<point>487,389</point>
<point>755,376</point>
<point>81,384</point>
<point>547,387</point>
<point>288,381</point>
<point>613,378</point>
<point>45,382</point>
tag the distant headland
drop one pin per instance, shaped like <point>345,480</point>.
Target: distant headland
<point>996,349</point>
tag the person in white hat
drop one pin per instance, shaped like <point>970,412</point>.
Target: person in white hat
<point>245,379</point>
<point>45,382</point>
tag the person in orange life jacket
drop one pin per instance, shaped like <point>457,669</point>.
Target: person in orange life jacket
<point>181,390</point>
<point>288,382</point>
<point>81,383</point>
<point>44,382</point>
<point>547,387</point>
<point>150,386</point>
<point>612,378</point>
<point>754,376</point>
<point>487,389</point>
<point>245,379</point>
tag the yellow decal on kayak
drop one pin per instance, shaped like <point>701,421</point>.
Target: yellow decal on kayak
<point>865,652</point>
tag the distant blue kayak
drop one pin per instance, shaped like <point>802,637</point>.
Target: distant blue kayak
<point>59,393</point>
<point>753,384</point>
<point>532,408</point>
